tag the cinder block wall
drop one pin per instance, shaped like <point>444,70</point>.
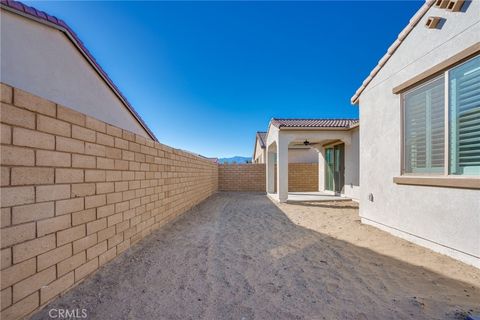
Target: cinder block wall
<point>242,177</point>
<point>76,192</point>
<point>252,177</point>
<point>302,177</point>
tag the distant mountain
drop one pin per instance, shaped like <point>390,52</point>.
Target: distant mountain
<point>236,159</point>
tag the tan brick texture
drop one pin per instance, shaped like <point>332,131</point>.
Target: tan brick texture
<point>252,177</point>
<point>302,177</point>
<point>76,192</point>
<point>242,177</point>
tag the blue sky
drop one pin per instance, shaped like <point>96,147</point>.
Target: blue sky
<point>205,76</point>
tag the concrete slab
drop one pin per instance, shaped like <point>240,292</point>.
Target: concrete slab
<point>310,197</point>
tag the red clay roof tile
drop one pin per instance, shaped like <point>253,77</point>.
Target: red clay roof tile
<point>314,123</point>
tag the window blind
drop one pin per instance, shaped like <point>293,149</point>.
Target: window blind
<point>465,118</point>
<point>424,128</point>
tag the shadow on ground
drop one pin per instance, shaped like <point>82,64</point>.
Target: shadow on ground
<point>328,204</point>
<point>238,256</point>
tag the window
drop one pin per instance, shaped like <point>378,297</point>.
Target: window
<point>425,128</point>
<point>428,137</point>
<point>464,96</point>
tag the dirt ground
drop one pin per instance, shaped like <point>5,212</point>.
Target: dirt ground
<point>240,256</point>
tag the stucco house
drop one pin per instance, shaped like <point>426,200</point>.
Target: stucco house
<point>420,133</point>
<point>296,153</point>
<point>335,144</point>
<point>42,55</point>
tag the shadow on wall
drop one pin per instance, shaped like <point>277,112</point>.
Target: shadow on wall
<point>238,256</point>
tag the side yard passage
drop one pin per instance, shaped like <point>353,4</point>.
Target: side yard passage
<point>238,255</point>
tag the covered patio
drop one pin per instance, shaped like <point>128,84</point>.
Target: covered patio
<point>335,141</point>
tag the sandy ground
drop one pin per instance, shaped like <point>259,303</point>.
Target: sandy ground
<point>239,256</point>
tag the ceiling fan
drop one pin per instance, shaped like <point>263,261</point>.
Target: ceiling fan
<point>305,143</point>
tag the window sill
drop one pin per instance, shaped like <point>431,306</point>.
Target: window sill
<point>448,182</point>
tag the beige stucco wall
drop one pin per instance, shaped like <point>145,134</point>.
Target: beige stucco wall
<point>259,153</point>
<point>352,166</point>
<point>304,155</point>
<point>351,188</point>
<point>295,155</point>
<point>42,60</point>
<point>446,220</point>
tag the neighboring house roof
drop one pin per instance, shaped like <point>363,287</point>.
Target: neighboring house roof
<point>391,50</point>
<point>314,123</point>
<point>45,18</point>
<point>261,135</point>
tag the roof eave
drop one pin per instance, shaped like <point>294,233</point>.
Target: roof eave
<point>262,142</point>
<point>314,128</point>
<point>355,100</point>
<point>66,30</point>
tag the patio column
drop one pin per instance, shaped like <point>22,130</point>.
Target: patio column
<point>321,169</point>
<point>282,169</point>
<point>270,163</point>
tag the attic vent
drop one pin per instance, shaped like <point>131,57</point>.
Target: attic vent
<point>442,4</point>
<point>432,22</point>
<point>455,5</point>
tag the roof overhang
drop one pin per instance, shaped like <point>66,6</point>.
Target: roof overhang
<point>391,50</point>
<point>274,125</point>
<point>258,137</point>
<point>45,19</point>
<point>316,128</point>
